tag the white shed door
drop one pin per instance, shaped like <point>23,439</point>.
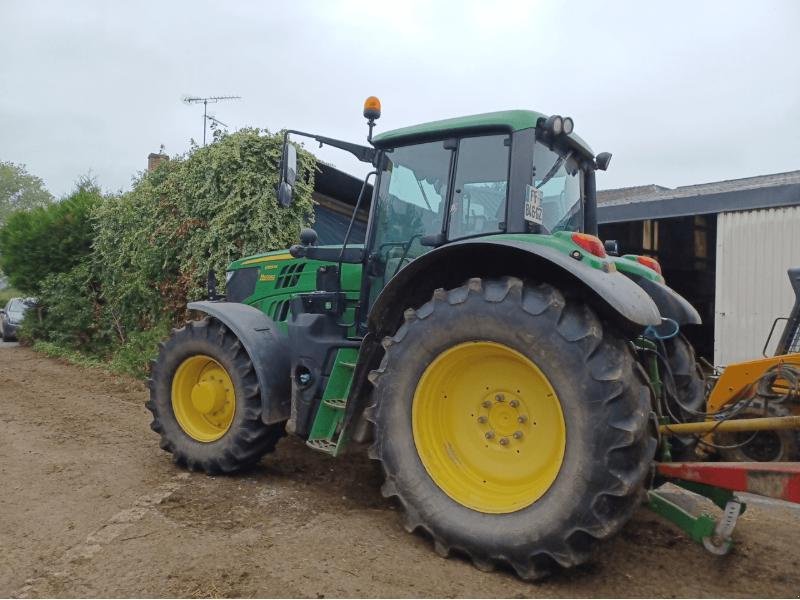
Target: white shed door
<point>754,250</point>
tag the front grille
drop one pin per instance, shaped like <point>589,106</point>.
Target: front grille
<point>289,275</point>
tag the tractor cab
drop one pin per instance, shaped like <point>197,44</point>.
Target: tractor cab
<point>493,174</point>
<point>461,184</point>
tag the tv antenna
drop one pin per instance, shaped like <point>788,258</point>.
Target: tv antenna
<point>205,102</point>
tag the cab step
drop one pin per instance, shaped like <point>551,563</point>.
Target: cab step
<point>338,403</point>
<point>323,446</point>
<point>326,430</point>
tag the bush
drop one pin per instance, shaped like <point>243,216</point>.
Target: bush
<point>151,249</point>
<point>155,245</point>
<point>70,312</point>
<point>47,240</point>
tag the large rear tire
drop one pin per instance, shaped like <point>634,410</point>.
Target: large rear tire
<point>512,425</point>
<point>206,402</point>
<point>690,389</point>
<point>689,381</point>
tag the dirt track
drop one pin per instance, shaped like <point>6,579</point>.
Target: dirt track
<point>90,506</point>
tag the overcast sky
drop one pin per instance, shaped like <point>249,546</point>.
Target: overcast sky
<point>680,93</point>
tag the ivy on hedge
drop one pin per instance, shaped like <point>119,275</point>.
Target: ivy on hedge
<point>152,247</point>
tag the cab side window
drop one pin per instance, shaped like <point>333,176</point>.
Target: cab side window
<point>481,186</point>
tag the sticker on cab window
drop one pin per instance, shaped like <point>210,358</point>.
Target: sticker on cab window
<point>533,205</point>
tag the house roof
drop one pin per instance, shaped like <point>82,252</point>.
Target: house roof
<point>658,202</point>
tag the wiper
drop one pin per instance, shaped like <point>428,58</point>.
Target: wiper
<point>554,169</point>
<point>424,195</point>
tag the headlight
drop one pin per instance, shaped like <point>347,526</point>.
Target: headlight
<point>554,124</point>
<point>569,125</point>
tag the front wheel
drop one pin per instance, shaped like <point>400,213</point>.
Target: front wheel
<point>205,400</point>
<point>512,425</point>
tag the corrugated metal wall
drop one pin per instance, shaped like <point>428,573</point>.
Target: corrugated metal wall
<point>754,250</point>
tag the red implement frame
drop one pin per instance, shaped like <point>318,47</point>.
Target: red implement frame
<point>775,480</point>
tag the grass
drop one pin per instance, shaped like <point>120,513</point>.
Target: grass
<point>73,356</point>
<point>131,358</point>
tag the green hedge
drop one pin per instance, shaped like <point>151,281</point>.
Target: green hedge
<point>52,239</point>
<point>152,247</point>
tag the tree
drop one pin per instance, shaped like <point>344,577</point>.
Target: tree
<point>48,240</point>
<point>19,190</point>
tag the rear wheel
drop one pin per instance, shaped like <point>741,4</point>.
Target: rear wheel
<point>512,426</point>
<point>760,446</point>
<point>205,400</point>
<point>689,389</point>
<point>689,380</point>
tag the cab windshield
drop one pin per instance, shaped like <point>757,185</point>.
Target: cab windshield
<point>560,180</point>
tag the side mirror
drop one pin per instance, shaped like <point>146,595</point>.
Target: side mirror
<point>611,247</point>
<point>288,174</point>
<point>602,160</point>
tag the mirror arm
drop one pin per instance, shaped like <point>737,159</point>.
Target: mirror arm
<point>349,256</point>
<point>362,153</point>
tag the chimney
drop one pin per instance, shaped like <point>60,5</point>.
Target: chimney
<point>153,159</point>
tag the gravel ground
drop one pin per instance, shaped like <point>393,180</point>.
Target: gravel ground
<point>90,506</point>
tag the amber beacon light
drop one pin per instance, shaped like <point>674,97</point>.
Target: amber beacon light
<point>372,108</point>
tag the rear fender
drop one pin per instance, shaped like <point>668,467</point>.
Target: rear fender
<point>670,303</point>
<point>614,296</point>
<point>268,349</point>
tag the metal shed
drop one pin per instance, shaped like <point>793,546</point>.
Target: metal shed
<point>724,245</point>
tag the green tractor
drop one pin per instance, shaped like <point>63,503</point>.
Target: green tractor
<point>480,339</point>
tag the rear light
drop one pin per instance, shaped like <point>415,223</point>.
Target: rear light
<point>649,261</point>
<point>590,243</point>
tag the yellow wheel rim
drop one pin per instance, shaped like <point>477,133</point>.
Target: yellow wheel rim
<point>488,427</point>
<point>203,398</point>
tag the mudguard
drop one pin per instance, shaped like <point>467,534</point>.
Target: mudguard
<point>268,349</point>
<point>670,303</point>
<point>613,294</point>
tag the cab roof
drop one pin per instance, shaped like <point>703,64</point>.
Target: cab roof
<point>509,120</point>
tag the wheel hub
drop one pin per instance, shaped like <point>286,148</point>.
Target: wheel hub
<point>203,398</point>
<point>208,396</point>
<point>488,427</point>
<point>502,418</point>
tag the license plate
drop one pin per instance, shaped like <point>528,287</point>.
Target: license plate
<point>533,205</point>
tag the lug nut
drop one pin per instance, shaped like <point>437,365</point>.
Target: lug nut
<point>522,419</point>
<point>504,441</point>
<point>482,419</point>
<point>499,397</point>
<point>489,435</point>
<point>486,404</point>
<point>513,404</point>
<point>517,435</point>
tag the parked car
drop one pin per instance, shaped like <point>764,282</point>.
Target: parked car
<point>11,317</point>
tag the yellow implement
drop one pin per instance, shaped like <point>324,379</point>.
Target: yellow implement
<point>738,378</point>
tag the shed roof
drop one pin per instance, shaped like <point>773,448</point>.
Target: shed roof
<point>658,202</point>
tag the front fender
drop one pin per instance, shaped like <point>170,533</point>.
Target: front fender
<point>268,349</point>
<point>611,293</point>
